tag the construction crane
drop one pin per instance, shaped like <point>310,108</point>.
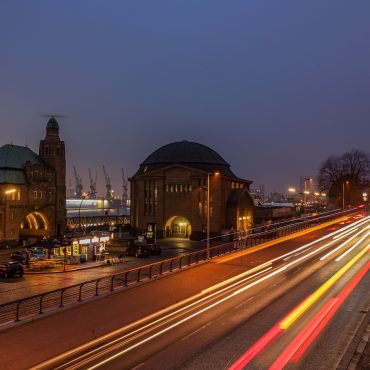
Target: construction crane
<point>78,184</point>
<point>92,193</point>
<point>108,185</point>
<point>124,190</point>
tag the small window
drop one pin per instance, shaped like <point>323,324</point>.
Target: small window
<point>40,194</point>
<point>35,194</point>
<point>190,188</point>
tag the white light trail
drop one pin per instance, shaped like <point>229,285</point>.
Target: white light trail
<point>343,244</point>
<point>353,247</point>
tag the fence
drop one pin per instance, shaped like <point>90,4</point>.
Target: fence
<point>38,304</point>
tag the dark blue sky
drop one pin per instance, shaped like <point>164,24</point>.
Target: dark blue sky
<point>273,86</point>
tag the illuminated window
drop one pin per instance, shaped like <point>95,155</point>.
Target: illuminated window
<point>35,194</point>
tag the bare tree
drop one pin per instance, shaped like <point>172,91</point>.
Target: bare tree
<point>353,166</point>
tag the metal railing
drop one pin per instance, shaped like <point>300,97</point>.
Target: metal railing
<point>41,303</point>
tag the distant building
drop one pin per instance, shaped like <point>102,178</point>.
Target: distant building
<point>169,193</point>
<point>33,189</point>
<point>307,183</point>
<point>258,194</point>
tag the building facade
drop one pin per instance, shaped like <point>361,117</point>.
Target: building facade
<point>33,189</point>
<point>169,194</point>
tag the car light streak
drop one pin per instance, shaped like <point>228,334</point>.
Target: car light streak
<point>345,234</point>
<point>289,319</point>
<point>141,329</point>
<point>352,248</point>
<point>302,337</point>
<point>343,244</point>
<point>303,340</point>
<point>97,345</point>
<point>177,323</point>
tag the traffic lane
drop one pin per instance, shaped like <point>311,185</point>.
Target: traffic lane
<point>171,339</point>
<point>240,315</point>
<point>125,307</point>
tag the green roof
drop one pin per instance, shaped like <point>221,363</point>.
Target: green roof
<point>13,159</point>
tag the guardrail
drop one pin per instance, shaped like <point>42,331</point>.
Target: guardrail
<point>41,303</point>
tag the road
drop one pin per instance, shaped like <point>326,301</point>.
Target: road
<point>234,302</point>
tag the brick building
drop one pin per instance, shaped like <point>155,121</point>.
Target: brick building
<point>169,193</point>
<point>33,189</point>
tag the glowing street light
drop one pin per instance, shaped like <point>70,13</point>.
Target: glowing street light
<point>6,192</point>
<point>292,190</point>
<point>344,182</point>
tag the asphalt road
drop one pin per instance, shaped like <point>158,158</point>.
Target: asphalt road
<point>235,300</point>
<point>216,338</point>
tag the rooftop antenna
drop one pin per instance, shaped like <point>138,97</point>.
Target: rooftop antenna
<point>52,115</point>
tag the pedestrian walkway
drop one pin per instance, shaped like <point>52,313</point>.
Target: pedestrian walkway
<point>43,267</point>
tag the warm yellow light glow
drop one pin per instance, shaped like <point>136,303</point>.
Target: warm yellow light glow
<point>291,190</point>
<point>323,195</point>
<point>10,191</point>
<point>317,194</point>
<point>216,173</point>
<point>44,220</point>
<point>306,192</point>
<point>364,194</point>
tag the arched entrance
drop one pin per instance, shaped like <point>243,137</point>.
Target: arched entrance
<point>178,227</point>
<point>35,224</point>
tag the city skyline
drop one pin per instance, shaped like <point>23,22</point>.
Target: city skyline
<point>274,88</point>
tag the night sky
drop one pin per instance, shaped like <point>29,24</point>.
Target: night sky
<point>274,87</point>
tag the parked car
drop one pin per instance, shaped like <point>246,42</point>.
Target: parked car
<point>154,249</point>
<point>11,269</point>
<point>138,250</point>
<point>37,252</point>
<point>23,257</point>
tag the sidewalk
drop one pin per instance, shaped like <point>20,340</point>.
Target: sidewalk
<point>78,267</point>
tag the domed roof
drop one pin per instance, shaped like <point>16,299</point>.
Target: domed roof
<point>13,158</point>
<point>186,153</point>
<point>52,124</point>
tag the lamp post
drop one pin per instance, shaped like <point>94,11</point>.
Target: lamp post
<point>343,183</point>
<point>208,211</point>
<point>6,192</point>
<point>305,193</point>
<point>84,195</point>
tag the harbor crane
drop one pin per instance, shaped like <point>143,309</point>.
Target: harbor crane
<point>78,184</point>
<point>108,185</point>
<point>92,193</point>
<point>124,190</point>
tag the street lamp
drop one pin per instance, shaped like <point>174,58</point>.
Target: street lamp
<point>84,196</point>
<point>344,182</point>
<point>6,192</point>
<point>305,193</point>
<point>208,211</point>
